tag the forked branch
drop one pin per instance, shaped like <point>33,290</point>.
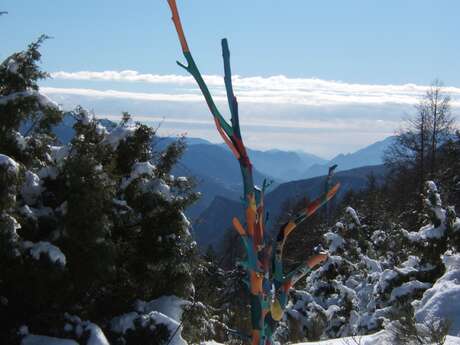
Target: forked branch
<point>229,133</point>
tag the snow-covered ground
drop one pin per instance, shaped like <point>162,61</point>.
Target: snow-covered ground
<point>380,338</point>
<point>443,299</point>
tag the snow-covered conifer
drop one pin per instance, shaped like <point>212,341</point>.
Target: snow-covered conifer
<point>89,226</point>
<point>337,293</point>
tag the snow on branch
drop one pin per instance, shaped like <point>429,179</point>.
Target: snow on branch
<point>54,253</point>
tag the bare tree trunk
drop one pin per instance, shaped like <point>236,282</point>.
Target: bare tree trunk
<point>422,156</point>
<point>434,133</point>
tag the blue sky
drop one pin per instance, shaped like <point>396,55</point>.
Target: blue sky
<point>363,53</point>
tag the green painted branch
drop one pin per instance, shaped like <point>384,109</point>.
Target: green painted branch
<point>194,71</point>
<point>232,101</point>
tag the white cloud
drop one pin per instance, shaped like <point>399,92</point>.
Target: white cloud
<point>273,89</point>
<point>314,115</point>
<point>132,76</point>
<point>139,96</point>
<point>314,125</point>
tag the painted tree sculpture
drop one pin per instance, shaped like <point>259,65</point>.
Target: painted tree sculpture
<point>267,282</point>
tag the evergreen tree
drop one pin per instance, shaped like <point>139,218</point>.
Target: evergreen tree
<point>400,285</point>
<point>337,294</point>
<point>31,266</point>
<point>22,105</point>
<point>89,227</point>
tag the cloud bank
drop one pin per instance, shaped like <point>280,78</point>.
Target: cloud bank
<point>325,117</point>
<point>275,89</point>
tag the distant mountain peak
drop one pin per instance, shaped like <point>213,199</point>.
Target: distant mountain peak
<point>366,156</point>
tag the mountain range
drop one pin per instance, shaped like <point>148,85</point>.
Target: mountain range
<point>218,177</point>
<point>369,155</point>
<point>218,174</point>
<point>209,228</point>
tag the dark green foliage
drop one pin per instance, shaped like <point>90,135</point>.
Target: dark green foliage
<point>26,74</point>
<point>219,283</point>
<point>136,148</point>
<point>108,203</point>
<point>19,75</point>
<point>231,250</point>
<point>88,196</point>
<point>9,187</point>
<point>146,332</point>
<point>199,323</point>
<point>449,165</point>
<point>170,157</point>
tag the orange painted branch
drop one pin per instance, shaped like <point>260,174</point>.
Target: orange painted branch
<point>226,139</point>
<point>178,25</point>
<point>317,259</point>
<point>238,227</point>
<point>298,273</point>
<point>251,215</point>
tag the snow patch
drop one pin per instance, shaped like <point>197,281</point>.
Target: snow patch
<point>170,306</point>
<point>44,340</point>
<point>20,140</point>
<point>384,280</point>
<point>9,163</point>
<point>432,186</point>
<point>120,133</point>
<point>166,310</point>
<point>12,66</point>
<point>426,232</point>
<point>96,336</point>
<point>442,301</point>
<point>138,169</point>
<point>48,172</point>
<point>59,153</point>
<point>119,202</point>
<point>12,226</point>
<point>53,252</point>
<point>28,212</point>
<point>101,130</point>
<point>407,289</point>
<point>80,328</point>
<point>372,265</point>
<point>120,324</point>
<point>43,100</point>
<point>172,326</point>
<point>351,211</point>
<point>32,187</point>
<point>335,241</point>
<point>380,338</point>
<point>156,186</point>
